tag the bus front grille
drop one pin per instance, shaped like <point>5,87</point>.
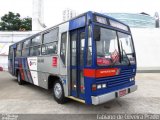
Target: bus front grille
<point>122,78</point>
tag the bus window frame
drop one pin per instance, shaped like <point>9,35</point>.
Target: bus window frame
<point>24,48</point>
<point>18,49</point>
<point>64,62</point>
<point>89,32</point>
<point>10,56</point>
<point>55,41</point>
<point>116,30</point>
<point>47,32</point>
<point>36,45</point>
<point>39,43</point>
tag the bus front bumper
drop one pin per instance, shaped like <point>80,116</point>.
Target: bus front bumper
<point>112,95</point>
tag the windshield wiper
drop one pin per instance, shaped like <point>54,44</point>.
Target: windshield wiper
<point>113,64</point>
<point>129,63</point>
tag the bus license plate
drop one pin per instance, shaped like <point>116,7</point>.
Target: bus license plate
<point>122,92</point>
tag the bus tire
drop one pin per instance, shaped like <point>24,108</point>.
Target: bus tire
<point>58,92</point>
<point>20,82</point>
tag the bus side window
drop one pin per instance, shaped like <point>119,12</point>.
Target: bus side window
<point>18,50</point>
<point>50,48</point>
<point>63,47</point>
<point>36,41</point>
<point>11,52</point>
<point>50,42</point>
<point>35,47</point>
<point>50,36</point>
<point>34,51</point>
<point>25,48</point>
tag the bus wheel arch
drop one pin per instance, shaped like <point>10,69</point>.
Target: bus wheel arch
<point>17,70</point>
<point>56,85</point>
<point>51,80</point>
<point>19,79</point>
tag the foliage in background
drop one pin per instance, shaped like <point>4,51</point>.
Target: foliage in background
<point>13,22</point>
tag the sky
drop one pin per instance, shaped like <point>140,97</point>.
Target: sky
<point>53,8</point>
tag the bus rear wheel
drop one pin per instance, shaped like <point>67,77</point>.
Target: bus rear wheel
<point>58,92</point>
<point>20,82</point>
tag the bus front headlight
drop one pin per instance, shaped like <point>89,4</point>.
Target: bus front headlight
<point>99,86</point>
<point>104,85</point>
<point>132,79</point>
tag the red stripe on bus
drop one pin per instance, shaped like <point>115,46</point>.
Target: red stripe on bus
<point>100,72</point>
<point>21,72</point>
<point>89,72</point>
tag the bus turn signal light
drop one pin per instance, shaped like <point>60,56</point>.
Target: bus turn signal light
<point>94,87</point>
<point>98,86</point>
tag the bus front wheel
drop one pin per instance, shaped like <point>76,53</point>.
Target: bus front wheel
<point>20,82</point>
<point>58,92</point>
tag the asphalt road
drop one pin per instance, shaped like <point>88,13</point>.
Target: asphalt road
<point>30,99</point>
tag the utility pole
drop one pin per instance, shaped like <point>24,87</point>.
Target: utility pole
<point>38,15</point>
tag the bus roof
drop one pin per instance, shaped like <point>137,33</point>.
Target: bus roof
<point>83,14</point>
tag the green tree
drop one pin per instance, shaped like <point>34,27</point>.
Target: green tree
<point>13,22</point>
<point>26,23</point>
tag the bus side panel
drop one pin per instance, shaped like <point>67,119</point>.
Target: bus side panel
<point>43,79</point>
<point>64,73</point>
<point>22,65</point>
<point>32,63</point>
<point>28,68</point>
<point>47,65</point>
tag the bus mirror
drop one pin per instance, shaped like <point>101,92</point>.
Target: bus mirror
<point>134,55</point>
<point>97,33</point>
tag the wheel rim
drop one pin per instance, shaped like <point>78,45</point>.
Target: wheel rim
<point>58,90</point>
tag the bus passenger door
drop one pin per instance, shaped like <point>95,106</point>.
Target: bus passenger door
<point>13,61</point>
<point>77,62</point>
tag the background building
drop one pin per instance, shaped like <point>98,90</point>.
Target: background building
<point>142,20</point>
<point>145,35</point>
<point>6,39</point>
<point>68,14</point>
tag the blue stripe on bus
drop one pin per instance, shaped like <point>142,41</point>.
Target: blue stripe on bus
<point>25,68</point>
<point>77,23</point>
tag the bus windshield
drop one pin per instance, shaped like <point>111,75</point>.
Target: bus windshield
<point>113,48</point>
